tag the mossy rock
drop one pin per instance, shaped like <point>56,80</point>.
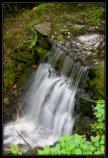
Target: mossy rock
<point>42,31</point>
<point>97,81</point>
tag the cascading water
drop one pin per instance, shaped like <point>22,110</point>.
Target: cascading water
<point>49,104</point>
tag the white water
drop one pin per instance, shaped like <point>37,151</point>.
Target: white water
<point>49,110</point>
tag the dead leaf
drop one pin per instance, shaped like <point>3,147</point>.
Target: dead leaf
<point>14,86</point>
<point>84,135</point>
<point>34,66</point>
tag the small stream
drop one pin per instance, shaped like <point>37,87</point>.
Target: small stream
<point>49,102</point>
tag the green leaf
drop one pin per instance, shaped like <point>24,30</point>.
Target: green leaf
<point>102,149</point>
<point>84,146</point>
<point>78,151</point>
<point>72,146</point>
<point>15,150</point>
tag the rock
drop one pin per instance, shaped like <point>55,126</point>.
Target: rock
<point>88,63</point>
<point>93,40</point>
<point>33,151</point>
<point>88,53</point>
<point>44,28</point>
<point>67,44</point>
<point>54,144</point>
<point>65,48</point>
<point>86,103</point>
<point>96,63</point>
<point>7,151</point>
<point>79,26</point>
<point>85,48</point>
<point>82,124</point>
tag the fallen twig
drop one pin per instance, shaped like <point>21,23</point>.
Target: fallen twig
<point>24,140</point>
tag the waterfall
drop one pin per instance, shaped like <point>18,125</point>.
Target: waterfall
<point>49,103</point>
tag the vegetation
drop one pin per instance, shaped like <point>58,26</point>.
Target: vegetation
<point>15,150</point>
<point>78,144</point>
<point>97,81</point>
<point>16,8</point>
<point>99,113</point>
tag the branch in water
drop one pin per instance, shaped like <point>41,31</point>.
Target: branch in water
<point>24,140</point>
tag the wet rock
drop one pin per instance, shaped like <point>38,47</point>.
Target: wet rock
<point>85,48</point>
<point>67,44</point>
<point>88,63</point>
<point>54,144</point>
<point>82,124</point>
<point>65,49</point>
<point>85,105</point>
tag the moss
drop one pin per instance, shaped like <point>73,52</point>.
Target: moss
<point>60,37</point>
<point>9,78</point>
<point>6,101</point>
<point>96,17</point>
<point>42,41</point>
<point>23,79</point>
<point>41,52</point>
<point>41,8</point>
<point>74,30</point>
<point>97,82</point>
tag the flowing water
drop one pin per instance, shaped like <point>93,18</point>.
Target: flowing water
<point>49,103</point>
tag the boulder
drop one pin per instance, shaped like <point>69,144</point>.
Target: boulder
<point>44,28</point>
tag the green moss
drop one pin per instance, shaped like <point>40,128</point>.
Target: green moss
<point>60,37</point>
<point>22,80</point>
<point>44,43</point>
<point>97,82</point>
<point>95,18</point>
<point>41,8</point>
<point>9,78</point>
<point>41,52</point>
<point>73,29</point>
<point>6,101</point>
